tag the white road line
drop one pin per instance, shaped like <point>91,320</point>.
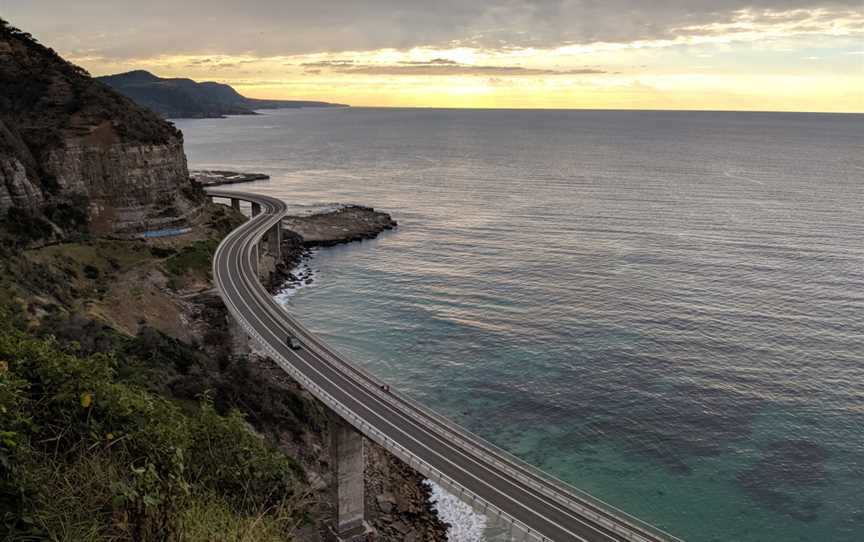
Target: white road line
<point>470,452</point>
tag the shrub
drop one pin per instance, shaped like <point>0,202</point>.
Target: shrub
<point>193,258</point>
<point>84,456</point>
<point>26,226</point>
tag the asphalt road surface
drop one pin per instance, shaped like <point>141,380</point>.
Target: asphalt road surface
<point>538,506</point>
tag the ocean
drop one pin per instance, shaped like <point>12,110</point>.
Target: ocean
<point>664,309</point>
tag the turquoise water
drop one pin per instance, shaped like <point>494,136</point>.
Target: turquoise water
<point>664,309</point>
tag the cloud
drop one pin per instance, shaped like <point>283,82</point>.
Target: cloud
<point>132,29</point>
<point>498,82</point>
<point>434,61</point>
<point>338,63</point>
<point>437,67</point>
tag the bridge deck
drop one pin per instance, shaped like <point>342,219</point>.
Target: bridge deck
<point>539,506</point>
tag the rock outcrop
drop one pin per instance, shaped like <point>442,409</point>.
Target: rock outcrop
<point>339,224</point>
<point>398,500</point>
<point>66,138</point>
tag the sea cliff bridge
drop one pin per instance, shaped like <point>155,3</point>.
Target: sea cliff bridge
<point>534,505</point>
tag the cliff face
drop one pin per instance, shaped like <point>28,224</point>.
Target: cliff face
<point>16,188</point>
<point>65,137</point>
<point>131,187</point>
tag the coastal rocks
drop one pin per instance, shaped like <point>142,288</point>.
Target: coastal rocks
<point>322,228</point>
<point>398,501</point>
<point>286,273</point>
<point>344,224</point>
<point>398,505</point>
<point>218,177</point>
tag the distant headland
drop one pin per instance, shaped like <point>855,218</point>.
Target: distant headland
<point>180,98</point>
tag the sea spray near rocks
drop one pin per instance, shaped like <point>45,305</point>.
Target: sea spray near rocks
<point>305,276</point>
<point>466,525</point>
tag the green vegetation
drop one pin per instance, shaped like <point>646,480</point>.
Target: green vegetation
<point>40,93</point>
<point>110,436</point>
<point>88,455</point>
<point>106,256</point>
<point>73,272</point>
<point>223,221</point>
<point>195,259</point>
<point>25,226</point>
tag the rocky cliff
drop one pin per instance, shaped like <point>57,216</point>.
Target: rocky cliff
<point>67,140</point>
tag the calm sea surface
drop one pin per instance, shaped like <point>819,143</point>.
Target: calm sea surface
<point>664,309</point>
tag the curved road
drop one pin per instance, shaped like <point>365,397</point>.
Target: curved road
<point>537,506</point>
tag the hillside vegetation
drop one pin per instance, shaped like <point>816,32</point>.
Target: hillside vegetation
<point>113,429</point>
<point>87,455</point>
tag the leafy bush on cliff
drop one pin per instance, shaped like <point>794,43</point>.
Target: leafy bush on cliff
<point>25,226</point>
<point>84,456</point>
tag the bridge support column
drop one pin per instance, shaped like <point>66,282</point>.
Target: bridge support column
<point>256,209</point>
<point>346,446</point>
<point>274,238</point>
<point>235,204</point>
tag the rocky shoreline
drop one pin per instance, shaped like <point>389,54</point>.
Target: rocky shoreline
<point>328,226</point>
<point>220,177</point>
<point>338,224</point>
<point>399,503</point>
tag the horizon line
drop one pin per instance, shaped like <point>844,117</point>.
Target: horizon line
<point>645,109</point>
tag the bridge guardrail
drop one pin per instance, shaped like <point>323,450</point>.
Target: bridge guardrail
<point>471,441</point>
<point>463,437</point>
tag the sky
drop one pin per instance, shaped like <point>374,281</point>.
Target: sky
<point>787,55</point>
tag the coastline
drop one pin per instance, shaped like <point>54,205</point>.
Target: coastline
<point>215,177</point>
<point>400,503</point>
<point>324,225</point>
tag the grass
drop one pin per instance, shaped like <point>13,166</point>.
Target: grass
<point>87,456</point>
<point>195,259</point>
<point>209,518</point>
<point>104,255</point>
<point>80,508</point>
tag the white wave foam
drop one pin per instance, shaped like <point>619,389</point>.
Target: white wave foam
<point>466,524</point>
<point>288,291</point>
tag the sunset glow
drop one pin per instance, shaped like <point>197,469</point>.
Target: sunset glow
<point>751,58</point>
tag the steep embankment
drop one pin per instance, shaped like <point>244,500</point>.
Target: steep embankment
<point>118,393</point>
<point>80,155</point>
<point>184,98</point>
<point>121,385</point>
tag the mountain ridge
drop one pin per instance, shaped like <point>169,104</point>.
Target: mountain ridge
<point>181,97</point>
<point>77,156</point>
